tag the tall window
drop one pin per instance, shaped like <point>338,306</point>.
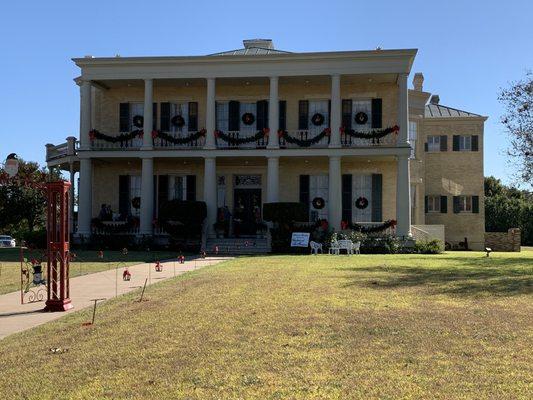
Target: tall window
<point>177,187</point>
<point>434,204</point>
<point>135,195</point>
<point>182,110</point>
<point>433,143</point>
<point>223,115</point>
<point>318,197</point>
<point>465,143</point>
<point>413,132</point>
<point>465,203</point>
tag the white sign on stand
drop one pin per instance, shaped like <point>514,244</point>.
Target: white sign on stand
<point>300,239</point>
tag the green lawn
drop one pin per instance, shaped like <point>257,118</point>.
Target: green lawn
<point>86,262</point>
<point>456,325</point>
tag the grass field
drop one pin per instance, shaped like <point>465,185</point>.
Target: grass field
<point>457,325</point>
<point>86,262</point>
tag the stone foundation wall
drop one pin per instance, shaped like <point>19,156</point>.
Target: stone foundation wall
<point>503,241</point>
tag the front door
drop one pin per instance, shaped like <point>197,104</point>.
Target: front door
<point>246,211</point>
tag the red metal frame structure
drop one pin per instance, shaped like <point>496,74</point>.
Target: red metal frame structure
<point>58,249</point>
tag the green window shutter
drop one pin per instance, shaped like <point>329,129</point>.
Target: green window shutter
<point>456,139</point>
<point>234,116</point>
<point>347,198</point>
<point>475,204</point>
<point>377,107</point>
<point>475,143</point>
<point>303,114</point>
<point>191,187</point>
<point>154,116</point>
<point>444,143</point>
<point>124,117</point>
<point>282,115</point>
<point>444,204</point>
<point>162,191</point>
<point>377,197</point>
<point>164,122</point>
<point>426,206</point>
<point>304,192</point>
<point>347,113</point>
<point>456,204</point>
<point>124,195</point>
<point>262,114</point>
<point>193,116</point>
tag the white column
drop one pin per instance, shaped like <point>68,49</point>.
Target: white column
<point>85,197</point>
<point>210,115</point>
<point>273,114</point>
<point>85,114</point>
<point>334,193</point>
<point>273,180</point>
<point>335,117</point>
<point>403,197</point>
<point>148,113</point>
<point>71,199</point>
<point>147,196</point>
<point>210,191</point>
<point>403,110</point>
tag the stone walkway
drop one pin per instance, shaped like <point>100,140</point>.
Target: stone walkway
<point>16,317</point>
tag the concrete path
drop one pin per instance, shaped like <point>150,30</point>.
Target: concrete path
<point>16,317</point>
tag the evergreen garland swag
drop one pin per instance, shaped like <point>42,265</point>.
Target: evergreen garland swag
<point>304,142</point>
<point>179,140</point>
<point>374,134</point>
<point>373,228</point>
<point>235,141</point>
<point>123,137</point>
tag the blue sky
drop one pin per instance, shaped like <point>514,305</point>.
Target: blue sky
<point>468,50</point>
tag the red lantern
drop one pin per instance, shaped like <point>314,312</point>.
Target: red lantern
<point>126,275</point>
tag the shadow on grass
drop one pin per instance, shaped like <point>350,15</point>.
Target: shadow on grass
<point>470,277</point>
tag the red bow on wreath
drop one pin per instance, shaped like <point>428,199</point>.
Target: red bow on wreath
<point>203,132</point>
<point>280,132</point>
<point>217,133</point>
<point>396,129</point>
<point>266,131</point>
<point>328,131</point>
<point>154,134</point>
<point>342,129</point>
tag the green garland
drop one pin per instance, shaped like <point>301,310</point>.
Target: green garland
<point>373,135</point>
<point>176,140</point>
<point>304,142</point>
<point>123,137</point>
<point>237,141</point>
<point>373,228</point>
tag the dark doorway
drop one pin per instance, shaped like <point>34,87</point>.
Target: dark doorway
<point>246,211</point>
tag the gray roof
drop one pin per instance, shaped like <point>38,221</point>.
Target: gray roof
<point>440,111</point>
<point>250,51</point>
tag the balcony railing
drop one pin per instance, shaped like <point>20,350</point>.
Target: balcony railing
<point>240,140</point>
<point>304,138</point>
<point>69,148</point>
<point>349,141</point>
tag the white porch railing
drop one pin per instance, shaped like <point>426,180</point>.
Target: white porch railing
<point>68,148</point>
<point>132,144</point>
<point>349,141</point>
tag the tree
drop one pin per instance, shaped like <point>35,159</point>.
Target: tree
<point>23,198</point>
<point>508,207</point>
<point>518,119</point>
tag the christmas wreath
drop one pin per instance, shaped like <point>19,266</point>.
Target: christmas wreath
<point>248,118</point>
<point>317,119</point>
<point>177,120</point>
<point>318,203</point>
<point>361,118</point>
<point>136,202</point>
<point>361,203</point>
<point>138,121</point>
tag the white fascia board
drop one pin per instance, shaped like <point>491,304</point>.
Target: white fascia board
<point>323,152</point>
<point>377,62</point>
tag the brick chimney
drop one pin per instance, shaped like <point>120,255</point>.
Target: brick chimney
<point>418,81</point>
<point>435,99</point>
